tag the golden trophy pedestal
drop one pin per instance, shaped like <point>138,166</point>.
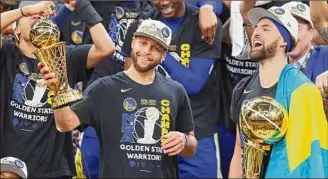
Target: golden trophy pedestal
<point>44,35</point>
<point>66,98</point>
<point>263,121</point>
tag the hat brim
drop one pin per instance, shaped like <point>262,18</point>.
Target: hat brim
<point>151,37</point>
<point>13,169</point>
<point>256,14</point>
<point>27,3</point>
<point>303,18</point>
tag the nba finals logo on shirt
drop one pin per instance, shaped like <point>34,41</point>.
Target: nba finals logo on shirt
<point>29,100</point>
<point>142,131</point>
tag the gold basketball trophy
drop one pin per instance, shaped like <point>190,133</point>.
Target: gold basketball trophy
<point>263,121</point>
<point>44,35</point>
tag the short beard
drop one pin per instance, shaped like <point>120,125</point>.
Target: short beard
<point>140,69</point>
<point>265,52</point>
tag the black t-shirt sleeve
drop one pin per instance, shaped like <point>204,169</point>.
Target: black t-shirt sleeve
<point>77,57</point>
<point>86,109</point>
<point>126,47</point>
<point>105,68</point>
<point>233,107</point>
<point>237,99</point>
<point>184,120</point>
<point>8,47</point>
<point>202,49</point>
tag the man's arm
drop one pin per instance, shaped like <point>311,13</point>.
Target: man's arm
<point>179,143</point>
<point>194,77</point>
<point>102,48</point>
<point>103,45</point>
<point>246,5</point>
<point>208,12</point>
<point>190,149</point>
<point>9,17</point>
<point>322,83</point>
<point>82,112</point>
<point>319,16</point>
<point>236,165</point>
<point>225,32</point>
<point>66,119</point>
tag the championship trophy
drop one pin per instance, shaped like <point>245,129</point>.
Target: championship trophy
<point>263,121</point>
<point>152,115</point>
<point>44,35</point>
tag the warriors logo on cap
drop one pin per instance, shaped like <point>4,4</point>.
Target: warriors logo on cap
<point>166,32</point>
<point>19,164</point>
<point>301,7</point>
<point>279,11</point>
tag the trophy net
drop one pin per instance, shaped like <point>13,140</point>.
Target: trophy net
<point>54,57</point>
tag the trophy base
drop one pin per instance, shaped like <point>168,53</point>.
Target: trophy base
<point>146,141</point>
<point>66,98</point>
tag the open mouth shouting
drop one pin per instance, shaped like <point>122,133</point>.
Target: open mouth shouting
<point>257,43</point>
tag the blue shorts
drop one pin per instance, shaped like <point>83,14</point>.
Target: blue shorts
<point>90,153</point>
<point>227,140</point>
<point>205,163</point>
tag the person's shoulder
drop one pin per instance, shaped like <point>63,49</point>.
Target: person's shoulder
<point>321,48</point>
<point>192,11</point>
<point>168,82</point>
<point>110,80</point>
<point>8,44</point>
<point>242,84</point>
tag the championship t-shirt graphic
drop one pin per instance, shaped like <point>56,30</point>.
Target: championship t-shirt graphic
<point>29,100</point>
<point>143,125</point>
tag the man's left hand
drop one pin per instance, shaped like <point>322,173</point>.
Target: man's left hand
<point>174,143</point>
<point>322,83</point>
<point>208,23</point>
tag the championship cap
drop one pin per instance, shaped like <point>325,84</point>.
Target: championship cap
<point>14,165</point>
<point>300,10</point>
<point>155,30</point>
<point>27,3</point>
<point>278,14</point>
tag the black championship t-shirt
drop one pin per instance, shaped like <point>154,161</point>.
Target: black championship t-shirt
<point>247,89</point>
<point>231,71</point>
<point>187,42</point>
<point>27,121</point>
<point>130,119</point>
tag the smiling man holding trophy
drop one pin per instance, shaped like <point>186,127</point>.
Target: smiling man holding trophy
<point>28,130</point>
<point>281,125</point>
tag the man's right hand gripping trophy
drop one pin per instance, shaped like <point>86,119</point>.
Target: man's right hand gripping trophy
<point>51,53</point>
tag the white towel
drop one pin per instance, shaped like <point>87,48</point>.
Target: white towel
<point>238,36</point>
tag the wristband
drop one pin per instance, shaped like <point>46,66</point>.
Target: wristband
<point>21,10</point>
<point>186,139</point>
